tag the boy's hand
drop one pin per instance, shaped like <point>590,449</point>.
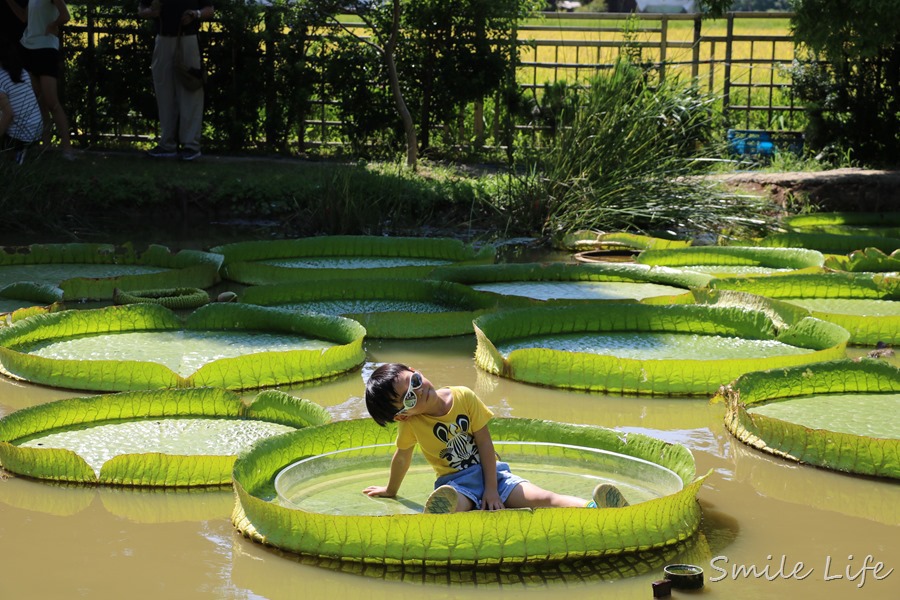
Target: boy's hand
<point>491,501</point>
<point>378,490</point>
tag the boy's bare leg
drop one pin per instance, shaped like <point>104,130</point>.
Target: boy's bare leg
<point>528,495</point>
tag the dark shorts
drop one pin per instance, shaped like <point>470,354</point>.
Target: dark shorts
<point>41,62</point>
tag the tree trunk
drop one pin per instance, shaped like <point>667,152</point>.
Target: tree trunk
<point>408,125</point>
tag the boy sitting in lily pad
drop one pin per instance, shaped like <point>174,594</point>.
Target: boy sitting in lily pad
<point>450,425</point>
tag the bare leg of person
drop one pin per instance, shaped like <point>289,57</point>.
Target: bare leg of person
<point>51,105</point>
<point>528,495</point>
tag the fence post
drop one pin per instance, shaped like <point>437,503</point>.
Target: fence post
<point>695,48</point>
<point>729,42</point>
<point>663,34</point>
<point>92,80</point>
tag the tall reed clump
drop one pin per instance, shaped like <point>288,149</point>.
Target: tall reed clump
<point>627,160</point>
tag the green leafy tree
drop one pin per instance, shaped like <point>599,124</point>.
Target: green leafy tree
<point>851,81</point>
<point>438,56</point>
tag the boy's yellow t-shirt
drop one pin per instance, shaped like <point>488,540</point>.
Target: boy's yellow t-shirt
<point>448,441</point>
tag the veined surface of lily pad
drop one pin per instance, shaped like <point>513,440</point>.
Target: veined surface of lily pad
<point>343,257</point>
<point>722,260</point>
<point>387,308</point>
<point>582,240</point>
<point>94,271</point>
<point>868,321</point>
<point>574,282</point>
<point>885,224</point>
<point>477,538</point>
<point>844,418</point>
<point>141,346</point>
<point>828,243</point>
<point>815,285</point>
<point>605,358</point>
<point>863,303</point>
<point>866,260</point>
<point>171,438</point>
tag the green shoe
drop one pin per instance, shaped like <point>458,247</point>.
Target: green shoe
<point>607,495</point>
<point>442,501</point>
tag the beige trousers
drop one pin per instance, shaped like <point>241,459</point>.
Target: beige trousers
<point>180,109</point>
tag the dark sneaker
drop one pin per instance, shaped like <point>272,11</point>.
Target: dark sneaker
<point>160,152</point>
<point>190,155</point>
<point>608,496</point>
<point>442,501</point>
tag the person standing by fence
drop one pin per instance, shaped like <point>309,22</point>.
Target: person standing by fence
<point>20,116</point>
<point>180,108</point>
<point>41,57</point>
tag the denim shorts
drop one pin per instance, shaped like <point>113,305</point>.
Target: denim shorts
<point>470,483</point>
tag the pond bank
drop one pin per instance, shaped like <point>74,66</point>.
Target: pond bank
<point>837,190</point>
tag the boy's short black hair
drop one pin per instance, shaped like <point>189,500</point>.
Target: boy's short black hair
<point>380,394</point>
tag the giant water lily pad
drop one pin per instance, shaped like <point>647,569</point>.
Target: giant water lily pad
<point>387,308</point>
<point>866,304</point>
<point>141,346</point>
<point>95,270</point>
<point>16,296</point>
<point>171,438</point>
<point>585,240</point>
<point>343,257</point>
<point>482,539</point>
<point>868,321</point>
<point>828,243</point>
<point>721,260</point>
<point>866,260</point>
<point>565,282</point>
<point>840,415</point>
<point>652,349</point>
<point>876,286</point>
<point>885,224</point>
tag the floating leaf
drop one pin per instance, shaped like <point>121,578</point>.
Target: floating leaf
<point>448,307</point>
<point>156,267</point>
<point>253,370</point>
<point>475,538</point>
<point>666,281</point>
<point>146,468</point>
<point>256,263</point>
<point>717,314</point>
<point>867,259</point>
<point>733,256</point>
<point>838,450</point>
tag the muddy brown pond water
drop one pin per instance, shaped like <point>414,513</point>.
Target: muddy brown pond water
<point>771,528</point>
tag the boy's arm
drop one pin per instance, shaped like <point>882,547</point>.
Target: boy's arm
<point>399,466</point>
<point>491,499</point>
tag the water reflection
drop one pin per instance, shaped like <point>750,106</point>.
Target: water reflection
<point>112,543</point>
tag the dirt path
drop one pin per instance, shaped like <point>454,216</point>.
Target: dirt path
<point>836,190</point>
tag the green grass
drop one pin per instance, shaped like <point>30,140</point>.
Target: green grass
<point>104,194</point>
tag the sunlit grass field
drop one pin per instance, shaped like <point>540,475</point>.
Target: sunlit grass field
<point>571,49</point>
